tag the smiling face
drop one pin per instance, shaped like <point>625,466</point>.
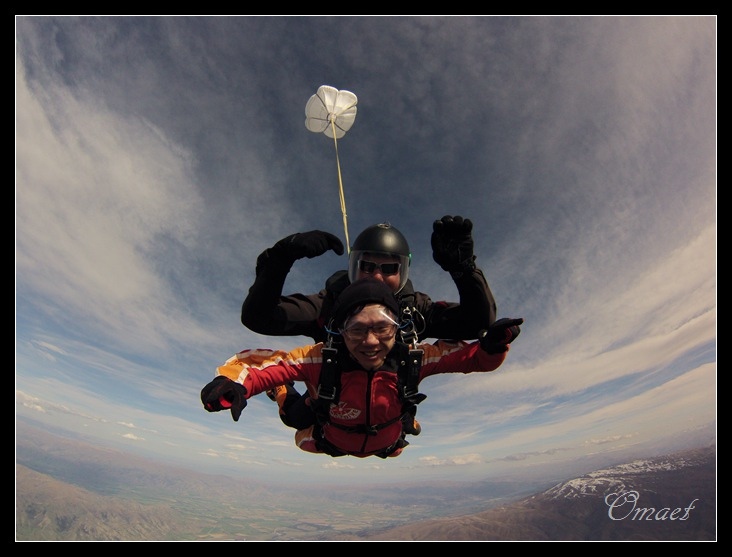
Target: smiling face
<point>369,335</point>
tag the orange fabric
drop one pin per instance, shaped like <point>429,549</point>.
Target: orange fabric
<point>304,440</point>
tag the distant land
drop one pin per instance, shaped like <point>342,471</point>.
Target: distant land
<point>69,490</point>
<point>671,498</point>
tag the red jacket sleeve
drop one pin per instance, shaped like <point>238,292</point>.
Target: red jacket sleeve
<point>262,369</point>
<point>458,357</point>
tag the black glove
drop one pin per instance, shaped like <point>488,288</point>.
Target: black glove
<point>308,244</point>
<point>222,393</point>
<point>498,336</point>
<point>452,244</point>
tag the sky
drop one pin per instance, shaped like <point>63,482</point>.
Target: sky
<point>156,157</point>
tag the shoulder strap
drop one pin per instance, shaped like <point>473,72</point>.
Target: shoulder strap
<point>408,376</point>
<point>328,384</point>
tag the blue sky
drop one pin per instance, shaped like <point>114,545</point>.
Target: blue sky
<point>156,157</point>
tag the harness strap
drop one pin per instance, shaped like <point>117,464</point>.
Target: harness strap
<point>328,385</point>
<point>322,444</point>
<point>408,376</point>
<point>330,449</point>
<point>329,393</point>
<point>365,429</point>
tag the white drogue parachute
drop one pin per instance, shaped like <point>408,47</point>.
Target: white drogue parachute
<point>332,112</point>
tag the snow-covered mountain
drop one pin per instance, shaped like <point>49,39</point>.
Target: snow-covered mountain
<point>671,498</point>
<point>624,476</point>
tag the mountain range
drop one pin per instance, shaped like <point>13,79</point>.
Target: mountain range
<point>671,498</point>
<point>67,490</point>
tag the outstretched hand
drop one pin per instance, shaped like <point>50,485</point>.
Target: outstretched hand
<point>309,244</point>
<point>498,336</point>
<point>223,394</point>
<point>452,244</point>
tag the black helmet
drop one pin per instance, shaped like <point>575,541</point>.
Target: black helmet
<point>381,239</point>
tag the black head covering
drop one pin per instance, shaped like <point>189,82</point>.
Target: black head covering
<point>360,293</point>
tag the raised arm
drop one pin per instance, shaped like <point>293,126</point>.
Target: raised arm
<point>265,310</point>
<point>452,249</point>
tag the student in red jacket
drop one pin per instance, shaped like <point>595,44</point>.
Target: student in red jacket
<point>363,417</point>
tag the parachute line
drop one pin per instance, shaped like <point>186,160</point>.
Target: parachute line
<point>341,194</point>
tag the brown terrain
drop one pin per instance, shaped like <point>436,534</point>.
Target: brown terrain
<point>69,491</point>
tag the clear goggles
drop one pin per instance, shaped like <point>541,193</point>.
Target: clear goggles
<point>384,328</point>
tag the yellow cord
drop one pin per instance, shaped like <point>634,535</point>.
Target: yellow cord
<point>340,190</point>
